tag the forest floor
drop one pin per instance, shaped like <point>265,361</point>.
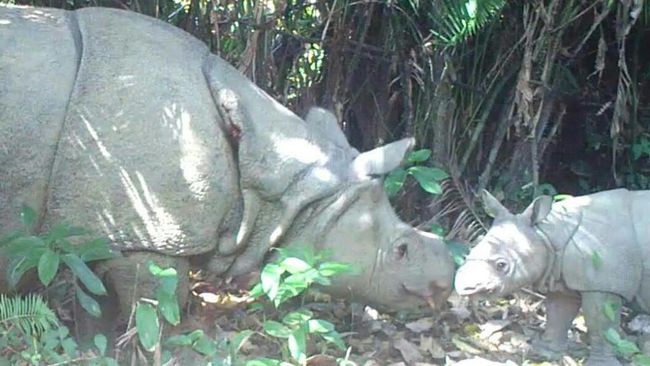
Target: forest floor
<point>453,337</point>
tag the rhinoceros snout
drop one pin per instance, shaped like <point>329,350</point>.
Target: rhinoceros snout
<point>472,281</point>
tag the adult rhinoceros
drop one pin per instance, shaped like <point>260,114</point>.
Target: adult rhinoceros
<point>131,127</point>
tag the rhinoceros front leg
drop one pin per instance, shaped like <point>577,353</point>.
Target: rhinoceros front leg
<point>593,303</point>
<point>561,309</point>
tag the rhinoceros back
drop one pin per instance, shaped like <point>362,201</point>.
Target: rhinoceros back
<point>111,118</point>
<point>36,79</point>
<point>603,252</point>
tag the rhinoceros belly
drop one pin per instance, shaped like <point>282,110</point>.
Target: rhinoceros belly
<point>108,123</point>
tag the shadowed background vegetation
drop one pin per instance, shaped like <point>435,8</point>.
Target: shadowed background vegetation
<point>521,97</point>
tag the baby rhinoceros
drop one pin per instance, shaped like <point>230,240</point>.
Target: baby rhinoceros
<point>591,251</point>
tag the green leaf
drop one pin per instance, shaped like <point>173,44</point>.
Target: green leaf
<point>180,340</point>
<point>168,280</point>
<point>270,278</point>
<point>297,317</point>
<point>627,348</point>
<point>88,303</point>
<point>276,329</point>
<point>168,307</point>
<point>335,338</point>
<point>256,291</point>
<point>561,197</point>
<point>329,269</point>
<point>610,309</point>
<point>319,326</point>
<point>438,230</point>
<point>458,251</point>
<point>100,343</point>
<point>205,346</point>
<point>239,339</point>
<point>294,284</point>
<point>27,246</point>
<point>264,362</point>
<point>297,343</point>
<point>612,336</point>
<point>394,181</point>
<point>419,156</point>
<point>147,325</point>
<point>94,250</point>
<point>641,360</point>
<point>85,275</point>
<point>294,265</point>
<point>428,178</point>
<point>48,266</point>
<point>427,173</point>
<point>17,267</point>
<point>596,260</point>
<point>28,218</point>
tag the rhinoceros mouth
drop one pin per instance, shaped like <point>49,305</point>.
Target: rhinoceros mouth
<point>433,297</point>
<point>482,289</point>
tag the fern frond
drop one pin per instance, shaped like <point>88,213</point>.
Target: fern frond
<point>30,314</point>
<point>454,21</point>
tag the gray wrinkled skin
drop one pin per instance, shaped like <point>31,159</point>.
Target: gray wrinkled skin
<point>175,156</point>
<point>583,251</point>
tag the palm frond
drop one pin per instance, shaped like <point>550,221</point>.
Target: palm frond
<point>454,21</point>
<point>30,314</point>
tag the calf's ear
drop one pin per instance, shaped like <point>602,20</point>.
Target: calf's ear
<point>492,206</point>
<point>538,209</point>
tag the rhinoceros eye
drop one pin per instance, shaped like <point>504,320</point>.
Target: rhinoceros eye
<point>402,250</point>
<point>501,265</point>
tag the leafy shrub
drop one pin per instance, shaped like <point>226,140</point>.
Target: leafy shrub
<point>44,252</point>
<point>428,178</point>
<point>30,334</point>
<point>288,277</point>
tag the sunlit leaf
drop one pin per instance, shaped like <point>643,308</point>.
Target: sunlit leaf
<point>147,325</point>
<point>298,345</point>
<point>48,266</point>
<point>394,181</point>
<point>88,303</point>
<point>85,275</point>
<point>270,278</point>
<point>276,329</point>
<point>294,265</point>
<point>419,156</point>
<point>319,326</point>
<point>28,218</point>
<point>297,317</point>
<point>100,342</point>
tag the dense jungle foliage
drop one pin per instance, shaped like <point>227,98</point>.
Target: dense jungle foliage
<point>521,97</point>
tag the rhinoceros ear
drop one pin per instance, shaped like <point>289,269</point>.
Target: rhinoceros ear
<point>325,121</point>
<point>381,160</point>
<point>538,209</point>
<point>492,206</point>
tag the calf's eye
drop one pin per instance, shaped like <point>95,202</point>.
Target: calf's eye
<point>502,266</point>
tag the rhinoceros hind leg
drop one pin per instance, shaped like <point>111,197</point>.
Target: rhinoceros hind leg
<point>129,278</point>
<point>593,303</point>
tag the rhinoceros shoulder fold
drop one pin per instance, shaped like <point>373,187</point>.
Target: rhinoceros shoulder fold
<point>597,242</point>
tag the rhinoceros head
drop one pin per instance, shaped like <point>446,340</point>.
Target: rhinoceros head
<point>401,267</point>
<point>510,256</point>
<point>303,184</point>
